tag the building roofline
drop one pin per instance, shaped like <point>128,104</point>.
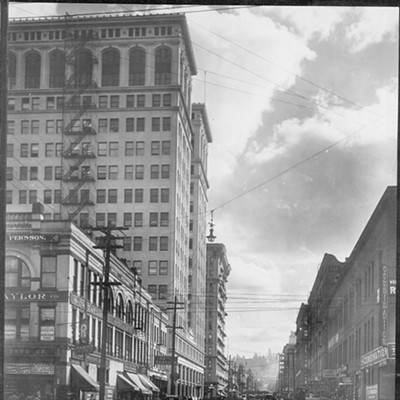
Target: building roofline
<point>110,17</point>
<point>202,108</point>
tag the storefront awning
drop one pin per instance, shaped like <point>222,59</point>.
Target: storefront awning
<point>124,383</point>
<point>82,380</point>
<point>133,377</point>
<point>148,383</point>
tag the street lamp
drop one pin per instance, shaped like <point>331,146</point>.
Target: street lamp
<point>211,237</point>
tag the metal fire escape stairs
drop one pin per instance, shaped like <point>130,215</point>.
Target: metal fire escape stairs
<point>78,134</point>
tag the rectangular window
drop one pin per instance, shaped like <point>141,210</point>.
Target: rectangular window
<point>114,125</point>
<point>141,100</point>
<point>128,195</point>
<point>24,127</point>
<point>128,219</point>
<point>164,243</point>
<point>32,196</point>
<point>102,172</point>
<point>165,171</point>
<point>50,103</point>
<point>152,268</point>
<point>47,324</point>
<point>49,150</point>
<point>140,148</point>
<point>164,219</point>
<point>114,101</point>
<point>130,101</point>
<point>59,103</point>
<point>34,150</point>
<point>59,125</point>
<point>48,173</point>
<point>35,103</point>
<point>128,172</point>
<point>112,219</point>
<point>101,196</point>
<point>129,149</point>
<point>47,196</point>
<point>155,148</point>
<point>103,125</point>
<point>155,124</point>
<point>153,219</point>
<point>23,196</point>
<point>102,149</point>
<point>166,148</point>
<point>23,173</point>
<point>130,124</point>
<point>156,100</point>
<point>25,103</point>
<point>167,100</point>
<point>49,272</point>
<point>50,126</point>
<point>9,174</point>
<point>8,196</point>
<point>100,219</point>
<point>10,150</point>
<point>103,101</point>
<point>166,124</point>
<point>153,195</point>
<point>113,172</point>
<point>138,195</point>
<point>57,173</point>
<point>11,104</point>
<point>10,127</point>
<point>154,171</point>
<point>57,196</point>
<point>33,173</point>
<point>140,124</point>
<point>127,243</point>
<point>165,195</point>
<point>137,243</point>
<point>163,267</point>
<point>163,292</point>
<point>153,243</point>
<point>113,149</point>
<point>35,127</point>
<point>138,219</point>
<point>112,196</point>
<point>152,290</point>
<point>139,172</point>
<point>24,150</point>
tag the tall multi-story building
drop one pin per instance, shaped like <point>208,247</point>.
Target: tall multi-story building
<point>54,317</point>
<point>218,270</point>
<point>101,132</point>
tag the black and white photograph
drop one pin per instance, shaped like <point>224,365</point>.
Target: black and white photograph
<point>199,201</point>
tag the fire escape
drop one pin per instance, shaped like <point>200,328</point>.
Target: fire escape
<point>79,134</point>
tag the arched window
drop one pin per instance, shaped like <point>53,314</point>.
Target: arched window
<point>32,70</point>
<point>110,68</point>
<point>129,312</point>
<point>110,301</point>
<point>163,66</point>
<point>17,273</point>
<point>57,69</point>
<point>83,68</point>
<point>119,310</point>
<point>12,70</point>
<point>137,67</point>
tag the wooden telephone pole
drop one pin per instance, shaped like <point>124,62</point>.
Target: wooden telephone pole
<point>107,243</point>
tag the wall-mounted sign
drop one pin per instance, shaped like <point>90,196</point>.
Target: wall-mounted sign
<point>165,360</point>
<point>33,237</point>
<point>374,357</point>
<point>29,368</point>
<point>35,296</point>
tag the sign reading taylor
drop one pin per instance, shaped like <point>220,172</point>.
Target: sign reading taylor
<point>36,296</point>
<point>33,237</point>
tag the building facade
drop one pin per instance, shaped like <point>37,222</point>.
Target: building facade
<point>350,316</point>
<point>216,371</point>
<point>100,131</point>
<point>54,317</point>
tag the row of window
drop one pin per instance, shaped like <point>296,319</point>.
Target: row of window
<point>33,103</point>
<point>55,196</point>
<point>106,125</point>
<point>103,33</point>
<point>82,64</point>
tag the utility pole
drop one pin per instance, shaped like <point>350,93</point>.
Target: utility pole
<point>107,243</point>
<point>174,374</point>
<point>3,169</point>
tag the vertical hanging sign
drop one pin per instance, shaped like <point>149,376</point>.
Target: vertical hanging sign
<point>384,292</point>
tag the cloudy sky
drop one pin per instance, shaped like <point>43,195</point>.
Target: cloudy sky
<point>302,103</point>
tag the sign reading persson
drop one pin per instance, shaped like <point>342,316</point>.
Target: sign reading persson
<point>33,237</point>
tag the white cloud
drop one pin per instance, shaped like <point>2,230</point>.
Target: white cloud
<point>31,10</point>
<point>374,25</point>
